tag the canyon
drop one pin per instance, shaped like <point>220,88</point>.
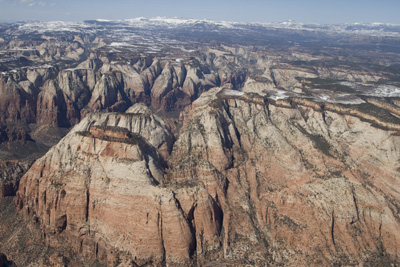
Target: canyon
<point>154,146</point>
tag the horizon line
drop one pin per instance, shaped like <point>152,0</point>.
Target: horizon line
<point>202,19</point>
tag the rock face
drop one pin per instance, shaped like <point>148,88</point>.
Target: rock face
<point>87,75</point>
<point>11,172</point>
<point>11,133</point>
<point>62,97</point>
<point>16,104</point>
<point>286,177</point>
<point>50,95</point>
<point>107,202</point>
<point>245,182</point>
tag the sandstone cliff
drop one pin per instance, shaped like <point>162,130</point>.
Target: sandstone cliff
<point>246,182</point>
<point>286,177</point>
<point>62,97</point>
<point>103,197</point>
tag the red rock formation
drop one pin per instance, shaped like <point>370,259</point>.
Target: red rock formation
<point>247,183</point>
<point>15,104</point>
<point>105,201</point>
<point>110,132</point>
<point>293,185</point>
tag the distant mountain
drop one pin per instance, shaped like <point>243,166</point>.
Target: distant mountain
<point>372,29</point>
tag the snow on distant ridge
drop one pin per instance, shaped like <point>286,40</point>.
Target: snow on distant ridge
<point>55,26</point>
<point>373,29</point>
<point>119,44</point>
<point>176,22</point>
<point>103,20</point>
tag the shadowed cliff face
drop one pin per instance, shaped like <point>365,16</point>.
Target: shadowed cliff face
<point>245,182</point>
<point>102,80</point>
<point>61,98</point>
<point>10,174</point>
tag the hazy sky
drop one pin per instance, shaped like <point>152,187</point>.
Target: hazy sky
<point>318,11</point>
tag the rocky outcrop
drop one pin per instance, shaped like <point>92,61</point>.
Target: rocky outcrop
<point>91,77</point>
<point>107,202</point>
<point>376,119</point>
<point>16,104</point>
<point>138,119</point>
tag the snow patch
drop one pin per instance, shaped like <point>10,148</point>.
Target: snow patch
<point>120,44</point>
<point>103,20</point>
<point>383,90</point>
<point>177,22</point>
<point>386,91</point>
<point>339,99</point>
<point>229,92</point>
<point>279,95</point>
<point>46,66</point>
<point>74,69</point>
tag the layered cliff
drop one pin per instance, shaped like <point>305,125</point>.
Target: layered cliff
<point>294,183</point>
<point>87,74</point>
<point>100,191</point>
<point>245,182</point>
<point>62,97</point>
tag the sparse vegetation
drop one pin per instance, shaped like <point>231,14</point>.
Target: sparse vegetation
<point>381,114</point>
<point>328,84</point>
<point>56,184</point>
<point>319,141</point>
